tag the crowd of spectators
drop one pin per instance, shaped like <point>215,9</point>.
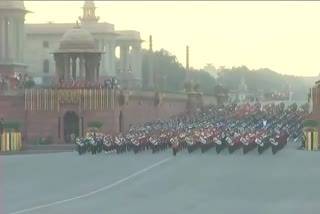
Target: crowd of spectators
<point>279,96</point>
<point>15,81</point>
<point>84,84</point>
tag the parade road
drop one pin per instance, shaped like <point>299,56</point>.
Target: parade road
<point>66,183</point>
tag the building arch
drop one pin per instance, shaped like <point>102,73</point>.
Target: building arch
<point>71,124</point>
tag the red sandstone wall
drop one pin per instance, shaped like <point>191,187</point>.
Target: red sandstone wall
<point>172,105</point>
<point>138,111</point>
<point>109,119</point>
<point>12,109</point>
<point>46,124</point>
<point>139,108</point>
<point>43,124</point>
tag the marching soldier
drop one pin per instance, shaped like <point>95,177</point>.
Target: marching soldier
<point>214,126</point>
<point>303,141</point>
<point>175,145</point>
<point>80,146</point>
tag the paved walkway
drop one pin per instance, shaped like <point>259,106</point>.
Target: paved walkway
<point>65,183</point>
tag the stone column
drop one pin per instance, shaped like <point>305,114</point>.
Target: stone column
<point>86,69</point>
<point>95,64</point>
<point>112,59</point>
<point>102,66</point>
<point>98,66</point>
<point>136,62</point>
<point>58,67</point>
<point>6,38</point>
<point>82,68</point>
<point>124,49</point>
<point>77,68</point>
<point>92,65</point>
<point>9,40</point>
<point>19,42</point>
<point>22,37</point>
<point>151,80</point>
<point>66,67</point>
<point>2,38</point>
<point>88,66</point>
<point>70,68</point>
<point>12,39</point>
<point>74,67</point>
<point>17,39</point>
<point>130,59</point>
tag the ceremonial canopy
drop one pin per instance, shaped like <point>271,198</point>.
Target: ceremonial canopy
<point>77,58</point>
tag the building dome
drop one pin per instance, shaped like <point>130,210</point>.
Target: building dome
<point>76,39</point>
<point>12,5</point>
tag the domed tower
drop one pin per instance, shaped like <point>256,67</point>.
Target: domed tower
<point>77,58</point>
<point>89,13</point>
<point>12,36</point>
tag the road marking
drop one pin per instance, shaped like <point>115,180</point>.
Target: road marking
<point>93,192</point>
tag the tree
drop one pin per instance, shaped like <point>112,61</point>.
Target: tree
<point>264,80</point>
<point>196,87</point>
<point>188,87</point>
<point>170,74</point>
<point>220,90</point>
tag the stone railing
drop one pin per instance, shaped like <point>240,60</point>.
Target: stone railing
<point>85,99</point>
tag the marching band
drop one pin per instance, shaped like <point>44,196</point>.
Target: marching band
<point>230,127</point>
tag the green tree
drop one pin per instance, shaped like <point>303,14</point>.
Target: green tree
<point>220,90</point>
<point>264,81</point>
<point>170,74</point>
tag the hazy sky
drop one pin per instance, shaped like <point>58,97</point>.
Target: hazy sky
<point>283,36</point>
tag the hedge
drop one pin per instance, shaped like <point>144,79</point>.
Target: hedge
<point>95,125</point>
<point>12,126</point>
<point>310,123</point>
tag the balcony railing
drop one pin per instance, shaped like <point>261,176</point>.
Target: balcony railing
<point>84,99</point>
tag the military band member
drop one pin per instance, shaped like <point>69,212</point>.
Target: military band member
<point>213,127</point>
<point>80,146</point>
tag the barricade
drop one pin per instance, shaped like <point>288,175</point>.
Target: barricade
<point>311,143</point>
<point>11,141</point>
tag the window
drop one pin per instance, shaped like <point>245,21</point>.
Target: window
<point>46,66</point>
<point>45,44</point>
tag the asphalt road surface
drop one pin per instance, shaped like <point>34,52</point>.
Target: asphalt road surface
<point>65,183</point>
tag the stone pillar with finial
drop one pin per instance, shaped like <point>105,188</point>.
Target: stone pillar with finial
<point>195,99</point>
<point>188,78</point>
<point>151,82</point>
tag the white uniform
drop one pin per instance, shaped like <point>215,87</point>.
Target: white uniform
<point>264,123</point>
